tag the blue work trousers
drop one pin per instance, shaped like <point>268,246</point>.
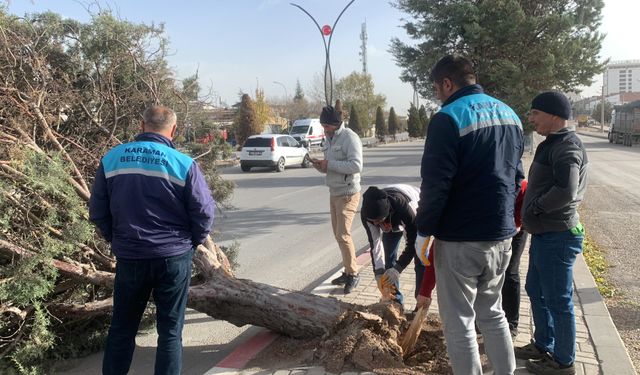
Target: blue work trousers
<point>167,279</point>
<point>550,288</point>
<point>391,243</point>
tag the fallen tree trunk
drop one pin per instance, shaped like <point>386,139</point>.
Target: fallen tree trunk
<point>220,295</point>
<point>241,301</point>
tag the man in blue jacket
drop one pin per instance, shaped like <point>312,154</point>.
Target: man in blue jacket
<point>470,173</point>
<point>153,205</point>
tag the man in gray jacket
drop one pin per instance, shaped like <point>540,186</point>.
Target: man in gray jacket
<point>557,182</point>
<point>342,163</point>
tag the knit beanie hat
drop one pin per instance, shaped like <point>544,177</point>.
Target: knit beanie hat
<point>375,204</point>
<point>553,103</point>
<point>330,116</point>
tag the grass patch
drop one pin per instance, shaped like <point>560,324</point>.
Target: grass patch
<point>598,267</point>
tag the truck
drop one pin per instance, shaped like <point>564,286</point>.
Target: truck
<point>625,124</point>
<point>583,120</point>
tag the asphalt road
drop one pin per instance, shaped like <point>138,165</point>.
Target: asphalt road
<point>611,213</point>
<point>282,223</point>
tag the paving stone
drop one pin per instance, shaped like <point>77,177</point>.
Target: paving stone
<point>316,370</point>
<point>592,370</point>
<point>586,347</point>
<point>587,359</point>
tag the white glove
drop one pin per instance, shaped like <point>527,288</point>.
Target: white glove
<point>391,276</point>
<point>423,244</point>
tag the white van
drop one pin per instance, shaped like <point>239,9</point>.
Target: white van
<point>308,131</point>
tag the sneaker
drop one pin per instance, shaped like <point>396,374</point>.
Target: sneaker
<point>548,366</point>
<point>351,283</point>
<point>529,351</point>
<point>340,280</point>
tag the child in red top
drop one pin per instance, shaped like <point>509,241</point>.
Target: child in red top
<point>428,282</point>
<point>511,287</point>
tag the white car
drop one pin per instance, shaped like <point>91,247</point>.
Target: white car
<point>273,150</point>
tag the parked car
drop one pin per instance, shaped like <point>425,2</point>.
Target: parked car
<point>273,150</point>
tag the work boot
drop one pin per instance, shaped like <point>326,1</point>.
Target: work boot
<point>529,351</point>
<point>548,366</point>
<point>352,282</point>
<point>340,280</point>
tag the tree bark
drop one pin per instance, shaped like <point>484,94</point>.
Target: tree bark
<point>241,301</point>
<point>84,273</point>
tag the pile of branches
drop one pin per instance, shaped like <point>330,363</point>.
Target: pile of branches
<point>69,91</point>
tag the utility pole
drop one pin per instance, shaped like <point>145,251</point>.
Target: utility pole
<point>286,95</point>
<point>602,105</point>
<point>363,47</point>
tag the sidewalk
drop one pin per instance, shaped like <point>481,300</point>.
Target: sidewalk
<point>599,349</point>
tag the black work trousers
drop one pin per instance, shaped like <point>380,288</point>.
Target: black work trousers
<point>511,287</point>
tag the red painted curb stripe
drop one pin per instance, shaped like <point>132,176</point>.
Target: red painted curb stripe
<point>363,258</point>
<point>242,355</point>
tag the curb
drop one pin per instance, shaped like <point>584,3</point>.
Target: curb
<point>609,348</point>
<point>593,134</point>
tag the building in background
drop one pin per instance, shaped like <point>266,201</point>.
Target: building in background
<point>622,77</point>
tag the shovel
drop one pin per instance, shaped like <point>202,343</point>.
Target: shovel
<point>410,337</point>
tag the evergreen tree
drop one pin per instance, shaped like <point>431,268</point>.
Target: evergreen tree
<point>393,122</point>
<point>299,95</point>
<point>424,120</point>
<point>381,126</point>
<point>597,112</point>
<point>246,122</point>
<point>519,48</point>
<point>413,122</point>
<point>354,121</point>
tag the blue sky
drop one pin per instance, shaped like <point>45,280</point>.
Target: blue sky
<point>239,44</point>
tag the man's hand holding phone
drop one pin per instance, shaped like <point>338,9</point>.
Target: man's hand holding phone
<point>320,165</point>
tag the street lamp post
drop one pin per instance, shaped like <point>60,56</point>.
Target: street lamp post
<point>286,95</point>
<point>325,31</point>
